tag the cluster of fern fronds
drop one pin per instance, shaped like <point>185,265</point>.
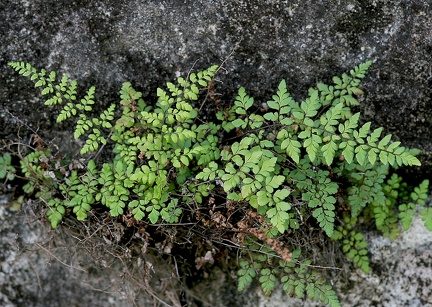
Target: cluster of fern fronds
<point>261,173</point>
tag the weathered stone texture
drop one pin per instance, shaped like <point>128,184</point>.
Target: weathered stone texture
<point>107,42</point>
<point>31,275</point>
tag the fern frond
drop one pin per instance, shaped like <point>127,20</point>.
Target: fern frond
<point>367,187</point>
<point>6,169</point>
<point>280,167</point>
<point>64,89</point>
<point>319,195</point>
<point>353,243</point>
<point>407,210</point>
<point>359,72</point>
<point>426,215</point>
<point>55,212</point>
<point>246,274</point>
<point>281,102</point>
<point>298,280</point>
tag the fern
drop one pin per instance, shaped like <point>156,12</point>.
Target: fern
<point>65,91</point>
<point>427,217</point>
<point>407,210</point>
<point>367,186</point>
<point>274,170</point>
<point>323,138</point>
<point>319,195</point>
<point>299,281</point>
<point>6,169</point>
<point>353,243</point>
<point>55,212</point>
<point>247,272</point>
<point>389,211</point>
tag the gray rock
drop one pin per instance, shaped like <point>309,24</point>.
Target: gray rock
<point>105,43</point>
<point>38,272</point>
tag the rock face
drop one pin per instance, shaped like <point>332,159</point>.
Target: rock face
<point>33,276</point>
<point>107,42</point>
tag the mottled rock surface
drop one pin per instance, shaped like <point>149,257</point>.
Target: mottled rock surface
<point>105,43</point>
<point>39,272</point>
<point>108,42</point>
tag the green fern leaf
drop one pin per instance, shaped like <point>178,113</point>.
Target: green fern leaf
<point>325,219</point>
<point>329,151</point>
<point>290,145</point>
<point>359,71</point>
<point>406,215</point>
<point>246,274</point>
<point>427,218</point>
<point>267,280</point>
<point>311,105</point>
<point>311,143</point>
<point>55,212</point>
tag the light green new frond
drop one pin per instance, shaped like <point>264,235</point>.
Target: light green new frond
<point>407,210</point>
<point>204,77</point>
<point>107,116</point>
<point>26,69</point>
<point>65,89</point>
<point>128,95</point>
<point>180,94</point>
<point>243,102</point>
<point>55,212</point>
<point>290,145</point>
<point>281,103</point>
<point>88,100</point>
<point>94,140</point>
<point>246,274</point>
<point>68,111</point>
<point>426,215</point>
<point>359,72</point>
<point>32,170</point>
<point>83,124</point>
<point>6,169</point>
